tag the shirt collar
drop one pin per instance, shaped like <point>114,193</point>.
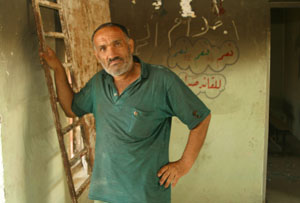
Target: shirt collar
<point>144,69</point>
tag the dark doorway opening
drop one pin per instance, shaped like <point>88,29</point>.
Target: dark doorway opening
<point>283,172</point>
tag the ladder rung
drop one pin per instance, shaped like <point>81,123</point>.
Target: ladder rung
<point>67,65</point>
<point>49,4</point>
<point>70,165</point>
<point>77,156</point>
<point>76,166</point>
<point>82,187</point>
<point>70,127</point>
<point>55,34</point>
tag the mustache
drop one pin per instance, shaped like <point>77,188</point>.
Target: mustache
<point>113,59</point>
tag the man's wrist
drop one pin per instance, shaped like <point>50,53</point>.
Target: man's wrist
<point>186,164</point>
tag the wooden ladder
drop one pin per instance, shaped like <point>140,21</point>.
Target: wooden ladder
<point>77,165</point>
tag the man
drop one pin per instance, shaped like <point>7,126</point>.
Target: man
<point>133,104</point>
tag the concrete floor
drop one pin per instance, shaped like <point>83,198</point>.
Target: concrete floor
<point>283,173</point>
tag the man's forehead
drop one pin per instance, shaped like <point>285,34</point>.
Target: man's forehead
<point>109,32</point>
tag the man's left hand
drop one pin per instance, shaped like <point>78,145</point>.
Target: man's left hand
<point>172,172</point>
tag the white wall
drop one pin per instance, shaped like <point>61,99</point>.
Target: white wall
<point>33,169</point>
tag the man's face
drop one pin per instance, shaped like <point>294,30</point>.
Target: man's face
<point>113,49</point>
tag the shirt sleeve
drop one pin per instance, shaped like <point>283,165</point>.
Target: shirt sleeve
<point>83,100</point>
<point>184,104</point>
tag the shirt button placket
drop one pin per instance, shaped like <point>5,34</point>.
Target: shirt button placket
<point>115,96</point>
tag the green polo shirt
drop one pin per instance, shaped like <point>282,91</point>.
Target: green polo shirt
<point>133,132</point>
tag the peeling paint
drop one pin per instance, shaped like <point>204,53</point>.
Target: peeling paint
<point>157,4</point>
<point>187,9</point>
<point>82,18</point>
<point>81,25</point>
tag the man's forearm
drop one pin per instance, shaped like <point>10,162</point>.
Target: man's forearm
<point>64,91</point>
<point>63,88</point>
<point>173,171</point>
<point>195,143</point>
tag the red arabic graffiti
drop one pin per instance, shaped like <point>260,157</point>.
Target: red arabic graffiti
<point>208,82</point>
<point>202,54</point>
<point>194,84</point>
<point>230,53</point>
<point>212,85</point>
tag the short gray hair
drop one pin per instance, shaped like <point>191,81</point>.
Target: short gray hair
<point>110,24</point>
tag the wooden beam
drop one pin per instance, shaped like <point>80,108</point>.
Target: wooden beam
<point>82,187</point>
<point>49,4</point>
<point>77,156</point>
<point>70,127</point>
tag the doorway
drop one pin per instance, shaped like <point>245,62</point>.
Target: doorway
<point>283,171</point>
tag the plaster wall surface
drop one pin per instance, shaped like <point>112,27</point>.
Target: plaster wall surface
<point>33,169</point>
<point>231,167</point>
